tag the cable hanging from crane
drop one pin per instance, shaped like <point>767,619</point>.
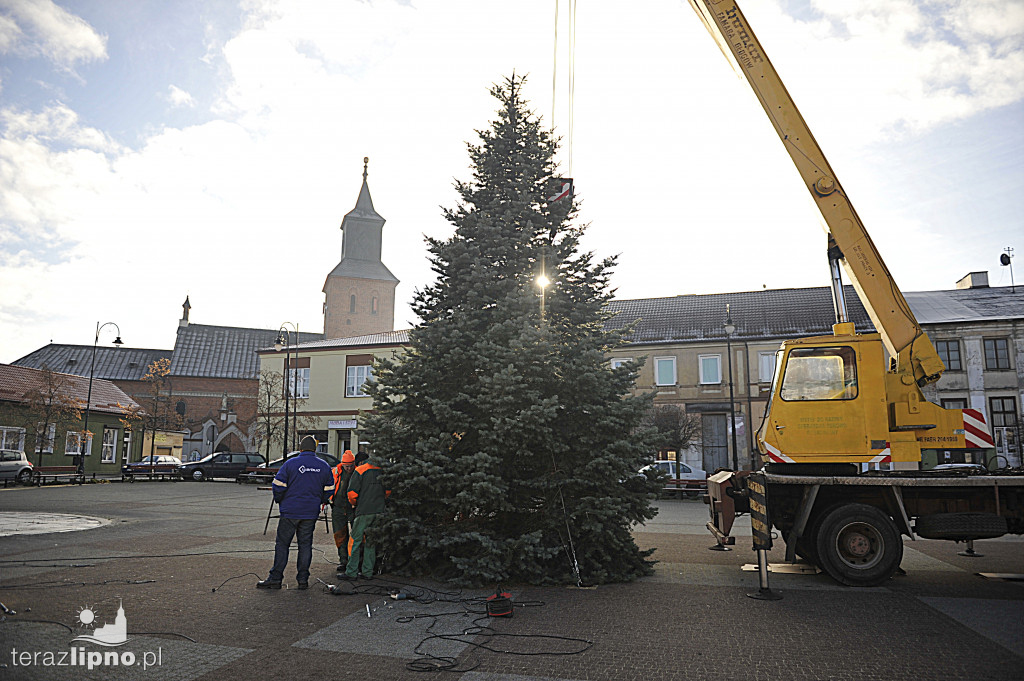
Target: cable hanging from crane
<point>571,80</point>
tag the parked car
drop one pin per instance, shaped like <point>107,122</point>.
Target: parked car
<point>966,468</point>
<point>275,465</point>
<point>219,465</point>
<point>147,464</point>
<point>690,480</point>
<point>15,466</point>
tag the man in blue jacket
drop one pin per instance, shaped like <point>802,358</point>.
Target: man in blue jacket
<point>302,487</point>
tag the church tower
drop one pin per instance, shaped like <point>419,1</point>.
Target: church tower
<point>359,294</point>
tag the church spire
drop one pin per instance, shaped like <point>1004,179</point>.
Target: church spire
<point>364,204</point>
<point>360,290</point>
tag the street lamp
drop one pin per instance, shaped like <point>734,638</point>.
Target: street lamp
<point>282,340</point>
<point>543,282</point>
<point>730,329</point>
<point>84,437</point>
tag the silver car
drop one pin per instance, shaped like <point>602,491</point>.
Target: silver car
<point>15,465</point>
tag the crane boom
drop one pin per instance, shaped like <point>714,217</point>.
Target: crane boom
<point>888,309</point>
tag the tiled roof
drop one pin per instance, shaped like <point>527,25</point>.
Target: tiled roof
<point>787,313</point>
<point>223,351</point>
<point>361,269</point>
<point>384,338</point>
<point>16,382</point>
<point>115,364</point>
<point>775,313</point>
<point>961,305</point>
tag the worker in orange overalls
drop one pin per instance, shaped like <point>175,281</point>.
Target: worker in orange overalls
<point>341,510</point>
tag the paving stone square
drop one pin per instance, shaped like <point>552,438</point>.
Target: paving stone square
<point>182,559</point>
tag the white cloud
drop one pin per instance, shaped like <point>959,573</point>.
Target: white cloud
<point>179,97</point>
<point>678,168</point>
<point>10,34</point>
<point>43,27</point>
<point>908,65</point>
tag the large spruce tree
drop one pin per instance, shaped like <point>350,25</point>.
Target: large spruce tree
<point>511,446</point>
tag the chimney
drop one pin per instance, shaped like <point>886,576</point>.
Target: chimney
<point>973,280</point>
<point>185,307</point>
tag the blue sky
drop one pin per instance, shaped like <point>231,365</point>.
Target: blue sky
<point>151,150</point>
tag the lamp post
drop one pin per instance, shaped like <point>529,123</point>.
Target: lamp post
<point>730,329</point>
<point>282,340</point>
<point>543,282</point>
<point>84,437</point>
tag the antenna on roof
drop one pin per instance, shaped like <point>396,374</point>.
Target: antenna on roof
<point>1007,259</point>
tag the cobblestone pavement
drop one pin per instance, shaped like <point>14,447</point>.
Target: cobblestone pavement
<point>181,559</point>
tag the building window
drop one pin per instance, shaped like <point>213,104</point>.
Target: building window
<point>949,353</point>
<point>298,383</point>
<point>1004,411</point>
<point>373,305</point>
<point>109,452</point>
<point>73,444</point>
<point>820,374</point>
<point>710,369</point>
<point>954,403</point>
<point>765,366</point>
<point>12,438</point>
<point>997,353</point>
<point>664,370</point>
<point>45,443</point>
<point>352,303</point>
<point>355,378</point>
<point>619,361</point>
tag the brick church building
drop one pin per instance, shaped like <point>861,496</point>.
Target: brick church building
<point>214,370</point>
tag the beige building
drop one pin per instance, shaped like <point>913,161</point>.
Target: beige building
<point>328,378</point>
<point>691,360</point>
<point>359,293</point>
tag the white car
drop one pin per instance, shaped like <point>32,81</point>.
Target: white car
<point>692,481</point>
<point>15,465</point>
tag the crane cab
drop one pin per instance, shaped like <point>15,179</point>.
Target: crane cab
<point>828,401</point>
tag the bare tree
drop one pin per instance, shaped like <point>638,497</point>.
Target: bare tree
<point>675,430</point>
<point>157,412</point>
<point>269,422</point>
<point>49,406</point>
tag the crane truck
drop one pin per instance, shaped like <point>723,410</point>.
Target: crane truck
<point>842,404</point>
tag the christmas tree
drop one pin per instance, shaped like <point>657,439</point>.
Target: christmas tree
<point>511,445</point>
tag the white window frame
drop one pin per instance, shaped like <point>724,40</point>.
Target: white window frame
<point>11,435</point>
<point>765,360</point>
<point>657,371</point>
<point>355,377</point>
<point>301,376</point>
<point>700,368</point>
<point>616,362</point>
<point>108,446</point>
<point>75,436</point>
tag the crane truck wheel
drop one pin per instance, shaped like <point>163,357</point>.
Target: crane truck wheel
<point>859,545</point>
<point>807,545</point>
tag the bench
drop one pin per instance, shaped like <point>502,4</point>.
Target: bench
<point>257,474</point>
<point>161,471</point>
<point>689,488</point>
<point>41,473</point>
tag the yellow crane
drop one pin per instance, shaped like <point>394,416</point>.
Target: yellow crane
<point>834,399</point>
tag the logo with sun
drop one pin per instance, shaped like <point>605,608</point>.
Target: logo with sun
<point>87,617</point>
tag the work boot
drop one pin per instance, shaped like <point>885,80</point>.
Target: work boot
<point>268,584</point>
<point>303,586</point>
